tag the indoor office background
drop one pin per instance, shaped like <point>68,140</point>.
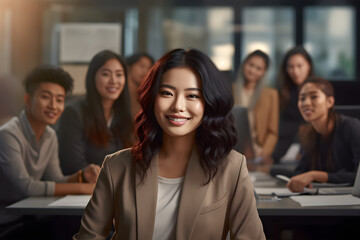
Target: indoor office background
<point>32,32</point>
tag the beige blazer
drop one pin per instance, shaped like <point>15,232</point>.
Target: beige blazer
<point>205,211</point>
<point>266,113</point>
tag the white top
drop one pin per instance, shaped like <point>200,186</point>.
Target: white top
<point>168,199</point>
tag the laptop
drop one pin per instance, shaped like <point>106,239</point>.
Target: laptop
<point>244,140</point>
<point>355,190</point>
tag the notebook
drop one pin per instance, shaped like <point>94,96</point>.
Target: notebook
<point>355,190</point>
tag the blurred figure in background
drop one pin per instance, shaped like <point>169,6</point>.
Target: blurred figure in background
<point>10,90</point>
<point>330,141</point>
<point>139,66</point>
<point>100,123</point>
<point>262,104</point>
<point>296,67</point>
<point>29,162</point>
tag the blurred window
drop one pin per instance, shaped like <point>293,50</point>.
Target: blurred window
<point>269,29</point>
<point>207,29</point>
<point>329,36</point>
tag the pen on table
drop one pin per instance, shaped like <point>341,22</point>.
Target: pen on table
<point>283,178</point>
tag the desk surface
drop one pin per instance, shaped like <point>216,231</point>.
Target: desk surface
<point>284,207</point>
<point>40,206</point>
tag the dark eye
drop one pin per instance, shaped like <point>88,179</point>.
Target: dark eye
<point>165,93</point>
<point>45,96</point>
<point>313,97</point>
<point>193,96</point>
<point>105,74</point>
<point>302,99</point>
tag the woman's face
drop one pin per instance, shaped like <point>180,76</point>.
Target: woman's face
<point>139,70</point>
<point>179,104</point>
<point>110,80</point>
<point>298,68</point>
<point>313,104</point>
<point>254,69</point>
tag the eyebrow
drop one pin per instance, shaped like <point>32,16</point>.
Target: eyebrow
<point>174,88</point>
<point>48,92</point>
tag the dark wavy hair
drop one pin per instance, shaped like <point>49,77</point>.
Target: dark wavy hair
<point>286,83</point>
<point>261,54</point>
<point>47,73</point>
<point>95,122</point>
<point>130,60</point>
<point>216,135</point>
<point>307,134</point>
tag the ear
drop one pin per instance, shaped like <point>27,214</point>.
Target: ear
<point>27,99</point>
<point>330,102</point>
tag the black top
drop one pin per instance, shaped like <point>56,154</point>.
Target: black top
<point>290,120</point>
<point>345,152</point>
<point>75,149</point>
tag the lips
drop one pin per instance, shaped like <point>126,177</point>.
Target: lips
<point>307,112</point>
<point>50,114</point>
<point>177,120</point>
<point>112,89</point>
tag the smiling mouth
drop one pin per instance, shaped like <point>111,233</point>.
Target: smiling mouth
<point>50,114</point>
<point>112,89</point>
<point>177,120</point>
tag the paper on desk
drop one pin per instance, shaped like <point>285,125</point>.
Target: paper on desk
<point>321,200</point>
<point>72,201</point>
<point>281,192</point>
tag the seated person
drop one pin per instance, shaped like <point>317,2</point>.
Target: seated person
<point>262,104</point>
<point>100,123</point>
<point>330,141</point>
<point>29,163</point>
<point>295,68</point>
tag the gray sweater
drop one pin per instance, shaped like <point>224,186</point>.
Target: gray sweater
<point>27,167</point>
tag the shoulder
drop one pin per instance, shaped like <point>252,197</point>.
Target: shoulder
<point>121,158</point>
<point>348,125</point>
<point>11,128</point>
<point>74,108</point>
<point>234,162</point>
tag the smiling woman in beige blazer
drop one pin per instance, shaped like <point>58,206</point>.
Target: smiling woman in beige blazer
<point>181,180</point>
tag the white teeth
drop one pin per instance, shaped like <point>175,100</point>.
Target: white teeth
<point>112,89</point>
<point>177,119</point>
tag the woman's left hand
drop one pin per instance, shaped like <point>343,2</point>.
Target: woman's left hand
<point>91,173</point>
<point>299,182</point>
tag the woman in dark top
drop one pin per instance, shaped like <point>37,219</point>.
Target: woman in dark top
<point>330,141</point>
<point>99,124</point>
<point>295,68</point>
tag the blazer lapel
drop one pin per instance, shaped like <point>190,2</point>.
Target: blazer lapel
<point>192,196</point>
<point>146,198</point>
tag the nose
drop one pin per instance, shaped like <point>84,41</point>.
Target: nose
<point>179,104</point>
<point>305,101</point>
<point>51,104</point>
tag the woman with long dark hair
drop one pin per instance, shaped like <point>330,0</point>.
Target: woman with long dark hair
<point>261,102</point>
<point>295,68</point>
<point>330,141</point>
<point>182,180</point>
<point>99,124</point>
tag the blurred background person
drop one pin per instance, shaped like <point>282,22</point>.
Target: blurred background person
<point>100,123</point>
<point>139,66</point>
<point>262,104</point>
<point>29,162</point>
<point>330,141</point>
<point>296,67</point>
